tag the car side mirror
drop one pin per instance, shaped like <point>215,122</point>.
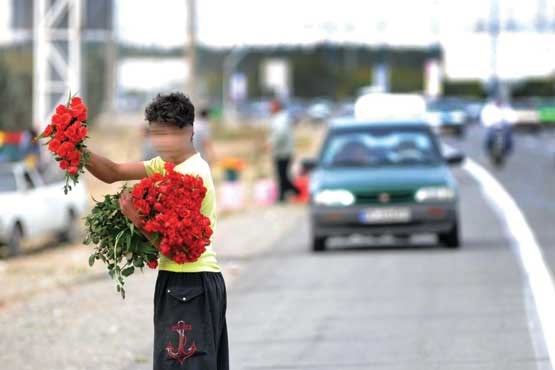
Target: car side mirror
<point>308,165</point>
<point>454,158</point>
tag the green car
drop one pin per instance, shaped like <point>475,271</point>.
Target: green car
<point>377,178</point>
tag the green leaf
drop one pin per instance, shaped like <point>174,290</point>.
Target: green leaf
<point>128,271</point>
<point>91,260</point>
<point>138,262</point>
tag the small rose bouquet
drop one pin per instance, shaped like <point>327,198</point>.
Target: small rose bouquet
<point>66,136</point>
<point>170,205</point>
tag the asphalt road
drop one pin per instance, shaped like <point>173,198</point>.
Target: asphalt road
<point>368,304</point>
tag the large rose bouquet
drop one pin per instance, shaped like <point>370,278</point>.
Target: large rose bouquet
<point>66,136</point>
<point>170,205</point>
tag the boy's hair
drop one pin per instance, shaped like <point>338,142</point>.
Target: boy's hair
<point>174,108</point>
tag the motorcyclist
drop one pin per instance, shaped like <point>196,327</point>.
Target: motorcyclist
<point>498,115</point>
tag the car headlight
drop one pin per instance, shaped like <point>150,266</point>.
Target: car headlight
<point>439,193</point>
<point>334,198</point>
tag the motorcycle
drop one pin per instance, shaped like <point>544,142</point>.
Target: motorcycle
<point>499,144</point>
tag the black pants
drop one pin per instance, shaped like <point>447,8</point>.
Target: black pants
<point>285,185</point>
<point>190,330</point>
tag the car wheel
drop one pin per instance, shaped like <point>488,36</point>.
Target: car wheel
<point>318,244</point>
<point>14,244</point>
<point>451,239</point>
<point>71,233</point>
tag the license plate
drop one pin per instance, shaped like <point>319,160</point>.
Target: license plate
<point>385,215</point>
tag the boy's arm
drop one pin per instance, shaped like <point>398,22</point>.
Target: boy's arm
<point>108,171</point>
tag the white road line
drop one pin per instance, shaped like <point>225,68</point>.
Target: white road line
<point>540,278</point>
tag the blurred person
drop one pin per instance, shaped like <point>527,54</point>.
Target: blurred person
<point>170,119</point>
<point>202,136</point>
<point>497,117</point>
<point>148,149</point>
<point>281,143</point>
<point>30,148</point>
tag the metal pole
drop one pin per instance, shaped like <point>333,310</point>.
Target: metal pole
<point>494,30</point>
<point>110,63</point>
<point>56,47</point>
<point>192,49</point>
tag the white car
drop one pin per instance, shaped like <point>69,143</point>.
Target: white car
<point>33,205</point>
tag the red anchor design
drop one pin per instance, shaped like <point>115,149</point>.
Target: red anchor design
<point>182,353</point>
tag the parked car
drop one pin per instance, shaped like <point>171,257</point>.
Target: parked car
<point>447,115</point>
<point>33,205</point>
<point>378,177</point>
<point>319,110</point>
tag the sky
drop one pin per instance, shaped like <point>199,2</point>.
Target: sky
<point>265,22</point>
<point>225,23</point>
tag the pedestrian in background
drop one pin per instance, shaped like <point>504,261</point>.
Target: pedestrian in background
<point>281,143</point>
<point>202,136</point>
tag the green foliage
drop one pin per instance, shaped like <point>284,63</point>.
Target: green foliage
<point>466,88</point>
<point>532,87</point>
<point>116,241</point>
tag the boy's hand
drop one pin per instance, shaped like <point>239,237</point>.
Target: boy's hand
<point>126,206</point>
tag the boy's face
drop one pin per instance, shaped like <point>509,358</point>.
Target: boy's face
<point>170,141</point>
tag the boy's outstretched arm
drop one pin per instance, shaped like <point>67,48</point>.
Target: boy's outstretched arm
<point>109,171</point>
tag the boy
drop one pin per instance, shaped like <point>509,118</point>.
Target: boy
<point>190,329</point>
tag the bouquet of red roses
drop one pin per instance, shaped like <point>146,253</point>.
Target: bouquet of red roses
<point>170,205</point>
<point>66,136</point>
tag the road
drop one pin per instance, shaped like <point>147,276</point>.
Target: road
<point>359,306</point>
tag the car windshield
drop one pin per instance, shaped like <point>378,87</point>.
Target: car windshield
<point>374,148</point>
<point>7,182</point>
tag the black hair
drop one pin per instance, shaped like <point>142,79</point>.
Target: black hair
<point>174,108</point>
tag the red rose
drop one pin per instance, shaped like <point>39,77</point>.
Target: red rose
<point>152,264</point>
<point>64,165</point>
<point>60,136</point>
<point>65,149</point>
<point>72,170</point>
<point>165,249</point>
<point>76,101</point>
<point>180,258</point>
<point>56,119</point>
<point>47,131</point>
<point>61,109</point>
<point>65,120</point>
<point>75,155</point>
<point>82,116</point>
<point>78,110</point>
<point>83,131</point>
<point>72,132</point>
<point>54,145</point>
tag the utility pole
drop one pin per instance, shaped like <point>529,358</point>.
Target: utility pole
<point>56,48</point>
<point>191,50</point>
<point>494,31</point>
<point>110,62</point>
